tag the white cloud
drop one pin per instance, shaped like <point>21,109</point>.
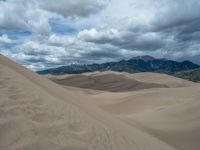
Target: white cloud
<point>23,15</point>
<point>99,36</point>
<point>60,40</point>
<point>13,15</point>
<point>33,15</point>
<point>105,30</point>
<point>4,39</point>
<point>73,8</point>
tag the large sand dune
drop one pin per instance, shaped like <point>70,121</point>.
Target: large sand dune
<point>36,113</point>
<point>119,82</point>
<point>170,114</point>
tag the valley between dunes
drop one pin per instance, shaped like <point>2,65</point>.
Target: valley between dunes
<point>97,111</point>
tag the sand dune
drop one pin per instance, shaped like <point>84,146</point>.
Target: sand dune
<point>169,114</point>
<point>172,115</point>
<point>107,82</point>
<point>36,113</point>
<point>119,82</point>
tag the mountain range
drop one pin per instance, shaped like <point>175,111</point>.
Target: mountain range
<point>192,75</point>
<point>137,64</point>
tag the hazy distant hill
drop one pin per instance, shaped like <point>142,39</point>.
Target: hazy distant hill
<point>192,75</point>
<point>136,64</point>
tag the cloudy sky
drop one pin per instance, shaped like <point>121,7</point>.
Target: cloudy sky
<point>43,34</point>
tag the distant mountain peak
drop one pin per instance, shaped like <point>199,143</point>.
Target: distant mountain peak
<point>144,63</point>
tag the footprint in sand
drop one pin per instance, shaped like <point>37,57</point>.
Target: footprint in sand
<point>74,148</point>
<point>11,103</point>
<point>16,96</point>
<point>38,102</point>
<point>46,118</point>
<point>9,134</point>
<point>13,90</point>
<point>75,127</point>
<point>3,82</point>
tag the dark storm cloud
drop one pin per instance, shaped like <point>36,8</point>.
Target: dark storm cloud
<point>35,60</point>
<point>73,8</point>
<point>186,32</point>
<point>145,41</point>
<point>174,31</point>
<point>161,28</point>
<point>99,55</point>
<point>33,15</point>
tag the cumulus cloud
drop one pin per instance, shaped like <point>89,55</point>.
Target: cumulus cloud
<point>10,20</point>
<point>163,28</point>
<point>33,15</point>
<point>176,13</point>
<point>60,40</point>
<point>23,15</point>
<point>100,36</point>
<point>4,39</point>
<point>73,8</point>
<point>103,30</point>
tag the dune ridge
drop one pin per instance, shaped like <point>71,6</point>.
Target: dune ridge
<point>38,114</point>
<point>119,82</point>
<point>170,114</point>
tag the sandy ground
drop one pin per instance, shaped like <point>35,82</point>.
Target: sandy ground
<point>119,82</point>
<point>107,82</point>
<point>36,113</point>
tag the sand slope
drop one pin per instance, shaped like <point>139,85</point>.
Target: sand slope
<point>170,114</point>
<point>38,114</point>
<point>119,82</point>
<point>107,82</point>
